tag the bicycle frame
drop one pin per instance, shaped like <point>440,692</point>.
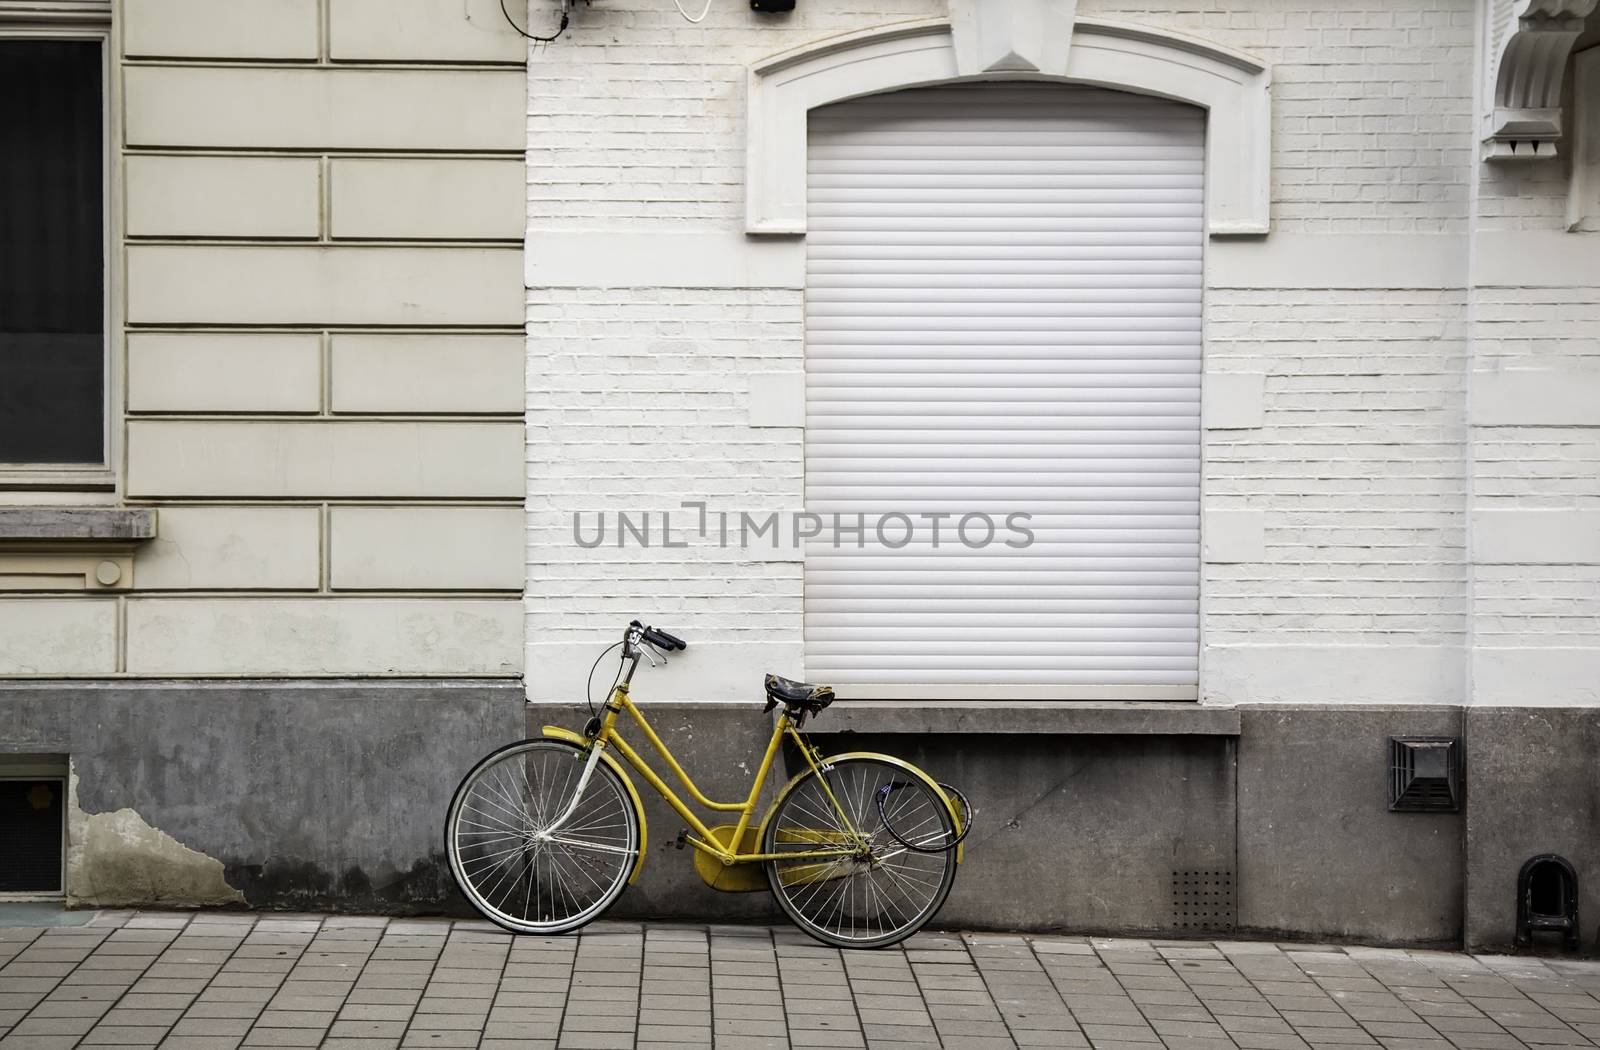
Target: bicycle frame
<point>703,839</point>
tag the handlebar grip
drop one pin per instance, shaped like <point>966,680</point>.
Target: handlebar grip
<point>656,636</point>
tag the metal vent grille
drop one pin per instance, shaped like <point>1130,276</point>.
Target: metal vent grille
<point>1203,900</point>
<point>1424,774</point>
<point>31,835</point>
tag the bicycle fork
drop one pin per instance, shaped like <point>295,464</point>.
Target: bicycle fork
<point>577,795</point>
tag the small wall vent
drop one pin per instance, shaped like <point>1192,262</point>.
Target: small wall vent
<point>1424,774</point>
<point>1203,901</point>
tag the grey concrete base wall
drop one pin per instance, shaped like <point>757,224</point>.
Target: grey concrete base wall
<point>1282,830</point>
<point>316,795</point>
<point>720,745</point>
<point>1086,833</point>
<point>1073,832</point>
<point>1320,855</point>
<point>332,795</point>
<point>1533,787</point>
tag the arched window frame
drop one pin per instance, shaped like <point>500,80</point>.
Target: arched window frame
<point>1232,87</point>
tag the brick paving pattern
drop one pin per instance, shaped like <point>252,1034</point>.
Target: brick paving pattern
<point>216,981</point>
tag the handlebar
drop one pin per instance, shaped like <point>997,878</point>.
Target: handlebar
<point>657,637</point>
<point>638,632</point>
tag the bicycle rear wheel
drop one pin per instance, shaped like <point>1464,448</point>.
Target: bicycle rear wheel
<point>517,877</point>
<point>884,896</point>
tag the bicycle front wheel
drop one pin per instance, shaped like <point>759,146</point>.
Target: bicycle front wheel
<point>516,871</point>
<point>877,897</point>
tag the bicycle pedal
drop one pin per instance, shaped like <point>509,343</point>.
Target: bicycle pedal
<point>683,838</point>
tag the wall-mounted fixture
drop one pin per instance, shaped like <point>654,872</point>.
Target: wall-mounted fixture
<point>1547,900</point>
<point>1424,774</point>
<point>771,7</point>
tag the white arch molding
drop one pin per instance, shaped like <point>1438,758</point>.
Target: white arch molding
<point>1233,88</point>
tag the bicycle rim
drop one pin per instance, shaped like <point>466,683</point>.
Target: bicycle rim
<point>852,902</point>
<point>517,879</point>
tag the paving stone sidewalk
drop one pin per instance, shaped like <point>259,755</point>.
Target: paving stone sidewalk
<point>216,981</point>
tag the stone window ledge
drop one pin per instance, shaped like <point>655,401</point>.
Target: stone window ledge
<point>71,548</point>
<point>75,524</point>
<point>1132,718</point>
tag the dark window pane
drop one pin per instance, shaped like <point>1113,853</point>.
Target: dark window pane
<point>52,315</point>
<point>30,827</point>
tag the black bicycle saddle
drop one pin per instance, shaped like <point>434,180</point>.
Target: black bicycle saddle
<point>799,695</point>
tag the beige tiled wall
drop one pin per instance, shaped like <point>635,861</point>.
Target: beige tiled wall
<point>321,364</point>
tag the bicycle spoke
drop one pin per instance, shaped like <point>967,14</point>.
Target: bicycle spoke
<point>595,846</point>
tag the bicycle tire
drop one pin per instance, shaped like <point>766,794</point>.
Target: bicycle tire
<point>489,838</point>
<point>843,902</point>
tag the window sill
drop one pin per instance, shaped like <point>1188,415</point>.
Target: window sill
<point>1128,718</point>
<point>76,524</point>
<point>71,548</point>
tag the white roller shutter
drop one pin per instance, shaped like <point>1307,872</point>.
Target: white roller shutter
<point>1003,315</point>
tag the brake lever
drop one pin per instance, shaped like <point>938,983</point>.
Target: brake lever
<point>655,657</point>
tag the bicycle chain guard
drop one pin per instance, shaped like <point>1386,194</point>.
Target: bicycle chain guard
<point>731,878</point>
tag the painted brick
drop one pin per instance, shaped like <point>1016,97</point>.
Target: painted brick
<point>675,365</point>
<point>1352,423</point>
<point>1372,124</point>
<point>1536,468</point>
<point>1536,606</point>
<point>1351,435</point>
<point>1359,464</point>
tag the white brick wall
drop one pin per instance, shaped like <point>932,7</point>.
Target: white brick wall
<point>1366,329</point>
<point>1372,103</point>
<point>1536,627</point>
<point>1358,467</point>
<point>636,404</point>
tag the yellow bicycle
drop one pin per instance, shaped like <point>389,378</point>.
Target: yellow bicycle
<point>859,849</point>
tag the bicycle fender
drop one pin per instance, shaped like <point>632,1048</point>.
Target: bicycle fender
<point>955,818</point>
<point>582,742</point>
